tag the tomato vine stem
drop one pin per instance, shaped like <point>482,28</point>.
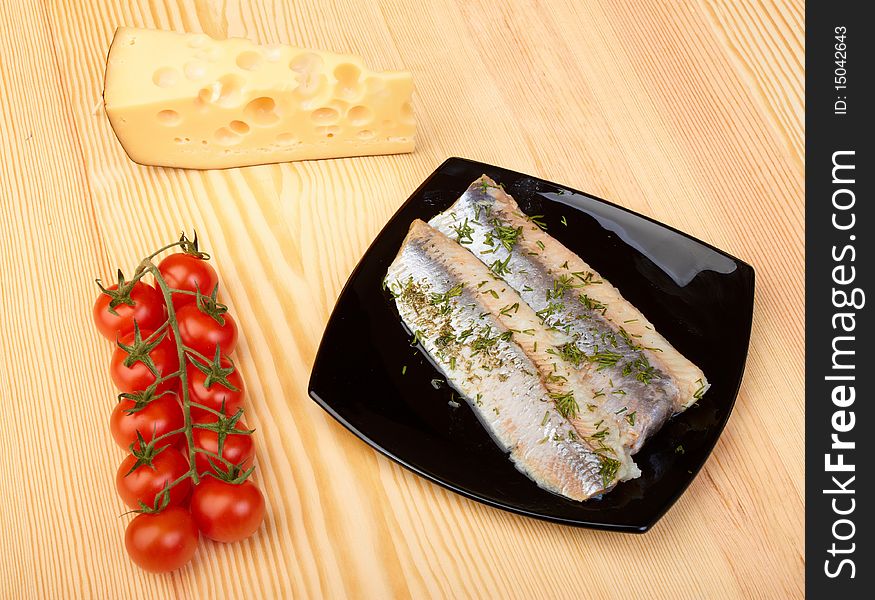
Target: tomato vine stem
<point>233,472</point>
<point>181,356</point>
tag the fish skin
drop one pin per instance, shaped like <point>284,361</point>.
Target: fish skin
<point>490,368</point>
<point>640,395</point>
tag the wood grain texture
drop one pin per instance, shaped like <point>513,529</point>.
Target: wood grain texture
<point>691,113</point>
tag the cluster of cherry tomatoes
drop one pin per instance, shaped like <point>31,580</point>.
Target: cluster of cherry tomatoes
<point>187,469</point>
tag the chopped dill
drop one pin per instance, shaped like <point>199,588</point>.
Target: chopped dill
<point>546,418</point>
<point>551,309</point>
<point>539,221</point>
<point>566,404</point>
<point>563,221</point>
<point>443,300</point>
<point>464,232</point>
<point>404,370</point>
<point>560,286</point>
<point>540,244</point>
<point>464,335</point>
<point>701,391</point>
<point>630,418</point>
<point>604,359</point>
<point>608,469</point>
<point>593,305</point>
<point>510,308</point>
<point>587,277</point>
<point>571,353</point>
<point>506,235</point>
<point>500,267</point>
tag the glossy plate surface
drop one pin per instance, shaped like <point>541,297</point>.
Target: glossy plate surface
<point>369,377</point>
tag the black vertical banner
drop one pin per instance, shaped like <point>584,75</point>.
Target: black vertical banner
<point>840,259</point>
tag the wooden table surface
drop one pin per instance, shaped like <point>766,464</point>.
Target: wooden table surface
<point>690,113</point>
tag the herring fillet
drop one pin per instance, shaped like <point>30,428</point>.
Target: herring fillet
<point>445,296</point>
<point>638,377</point>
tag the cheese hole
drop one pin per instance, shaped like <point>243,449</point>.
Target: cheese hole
<point>240,127</point>
<point>286,139</point>
<point>350,92</point>
<point>272,53</point>
<point>165,77</point>
<point>311,84</point>
<point>211,54</point>
<point>347,73</point>
<point>226,137</point>
<point>360,115</point>
<point>306,63</point>
<point>365,134</point>
<point>261,112</point>
<point>328,132</point>
<point>195,70</point>
<point>348,86</point>
<point>169,118</point>
<point>325,116</point>
<point>225,91</point>
<point>198,41</point>
<point>249,60</point>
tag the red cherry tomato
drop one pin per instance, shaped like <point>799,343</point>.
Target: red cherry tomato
<point>227,512</point>
<point>215,395</point>
<point>138,377</point>
<point>237,449</point>
<point>162,541</point>
<point>146,481</point>
<point>148,311</point>
<point>186,272</point>
<point>158,417</point>
<point>202,332</point>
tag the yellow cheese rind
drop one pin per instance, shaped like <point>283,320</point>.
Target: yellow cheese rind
<point>187,100</point>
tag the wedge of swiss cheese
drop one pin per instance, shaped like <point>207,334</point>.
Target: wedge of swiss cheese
<point>187,100</point>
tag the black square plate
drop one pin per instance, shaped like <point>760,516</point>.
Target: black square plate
<point>369,377</point>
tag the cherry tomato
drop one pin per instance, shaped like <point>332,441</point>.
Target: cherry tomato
<point>227,512</point>
<point>238,448</point>
<point>186,272</point>
<point>162,542</point>
<point>161,415</point>
<point>146,481</point>
<point>138,377</point>
<point>216,394</point>
<point>202,332</point>
<point>148,311</point>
